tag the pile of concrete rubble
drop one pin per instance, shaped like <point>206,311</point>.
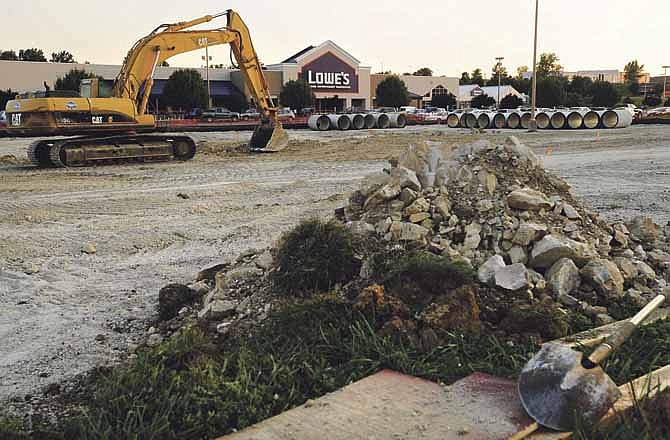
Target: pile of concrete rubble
<point>519,226</point>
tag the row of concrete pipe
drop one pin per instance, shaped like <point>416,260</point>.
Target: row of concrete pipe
<point>357,121</point>
<point>546,119</point>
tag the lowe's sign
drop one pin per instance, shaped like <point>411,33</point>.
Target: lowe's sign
<point>330,73</point>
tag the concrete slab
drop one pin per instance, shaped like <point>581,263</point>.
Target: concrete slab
<point>390,405</point>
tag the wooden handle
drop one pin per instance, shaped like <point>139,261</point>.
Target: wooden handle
<point>617,339</point>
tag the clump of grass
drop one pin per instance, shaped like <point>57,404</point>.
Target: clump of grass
<point>314,256</point>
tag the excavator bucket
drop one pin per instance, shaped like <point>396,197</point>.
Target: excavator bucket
<point>269,136</point>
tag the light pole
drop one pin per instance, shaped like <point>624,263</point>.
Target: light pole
<point>532,126</point>
<point>499,67</point>
<point>665,79</point>
<point>207,59</point>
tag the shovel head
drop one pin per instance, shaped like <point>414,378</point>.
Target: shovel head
<point>559,392</point>
<point>269,136</point>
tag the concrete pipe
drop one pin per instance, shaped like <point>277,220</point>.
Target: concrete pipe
<point>382,120</point>
<point>468,120</point>
<point>591,119</point>
<point>616,119</point>
<point>370,121</point>
<point>543,120</point>
<point>513,120</point>
<point>357,122</point>
<point>500,120</point>
<point>558,120</point>
<point>453,120</point>
<point>575,120</point>
<point>525,120</point>
<point>319,122</point>
<point>397,120</point>
<point>484,120</point>
<point>340,122</point>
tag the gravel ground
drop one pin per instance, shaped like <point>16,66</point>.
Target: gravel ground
<point>65,311</point>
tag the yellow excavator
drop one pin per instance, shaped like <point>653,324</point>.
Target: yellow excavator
<point>109,129</point>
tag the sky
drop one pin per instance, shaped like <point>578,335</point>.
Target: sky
<point>448,36</point>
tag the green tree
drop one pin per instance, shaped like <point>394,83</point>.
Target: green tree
<point>297,95</point>
<point>511,101</point>
<point>632,73</point>
<point>424,71</point>
<point>185,89</point>
<point>520,71</point>
<point>580,85</point>
<point>477,77</point>
<point>72,80</point>
<point>392,92</point>
<point>6,95</point>
<point>62,57</point>
<point>444,101</point>
<point>520,85</point>
<point>550,92</point>
<point>496,70</point>
<point>652,101</point>
<point>465,79</point>
<point>604,94</point>
<point>482,101</point>
<point>548,66</point>
<point>32,55</point>
<point>8,55</point>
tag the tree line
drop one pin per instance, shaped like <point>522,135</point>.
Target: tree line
<point>35,54</point>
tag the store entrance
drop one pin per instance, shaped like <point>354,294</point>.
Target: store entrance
<point>328,105</point>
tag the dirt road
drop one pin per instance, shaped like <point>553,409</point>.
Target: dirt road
<point>65,311</point>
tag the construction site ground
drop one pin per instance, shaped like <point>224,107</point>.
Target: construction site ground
<point>84,251</point>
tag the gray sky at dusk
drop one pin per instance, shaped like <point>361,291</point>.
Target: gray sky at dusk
<point>447,35</point>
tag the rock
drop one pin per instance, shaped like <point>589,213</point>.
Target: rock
<point>201,288</point>
<point>419,217</point>
<point>218,309</point>
<point>30,269</point>
<point>385,193</point>
<point>518,255</point>
<point>563,277</point>
<point>619,239</point>
<point>543,318</point>
<point>514,277</point>
<point>209,274</point>
<point>603,319</point>
<point>373,183</point>
<point>360,228</point>
<point>552,248</point>
<point>644,229</point>
<point>644,270</point>
<point>627,268</point>
<point>406,178</point>
<point>472,237</point>
<point>528,233</point>
<point>486,272</point>
<point>484,205</point>
<point>89,249</point>
<point>419,205</point>
<point>570,212</point>
<point>490,182</point>
<point>154,340</point>
<point>513,146</point>
<point>443,206</point>
<point>604,276</point>
<point>172,298</point>
<point>659,258</point>
<point>408,232</point>
<point>528,199</point>
<point>568,300</point>
<point>183,196</point>
<point>640,252</point>
<point>408,196</point>
<point>265,260</point>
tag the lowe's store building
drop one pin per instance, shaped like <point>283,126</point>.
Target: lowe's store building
<point>337,78</point>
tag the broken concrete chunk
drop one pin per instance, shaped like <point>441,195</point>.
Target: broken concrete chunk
<point>443,206</point>
<point>528,199</point>
<point>385,193</point>
<point>419,217</point>
<point>644,229</point>
<point>486,272</point>
<point>563,277</point>
<point>528,233</point>
<point>472,236</point>
<point>518,255</point>
<point>406,178</point>
<point>408,196</point>
<point>408,232</point>
<point>570,212</point>
<point>604,276</point>
<point>514,277</point>
<point>419,205</point>
<point>552,248</point>
<point>373,183</point>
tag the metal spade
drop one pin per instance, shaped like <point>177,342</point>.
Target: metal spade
<point>559,387</point>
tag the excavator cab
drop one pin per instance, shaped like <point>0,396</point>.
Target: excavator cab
<point>95,88</point>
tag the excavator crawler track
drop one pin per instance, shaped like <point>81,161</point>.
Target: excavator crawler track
<point>90,151</point>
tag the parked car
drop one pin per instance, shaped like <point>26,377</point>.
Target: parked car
<point>659,111</point>
<point>286,113</point>
<point>307,111</point>
<point>353,110</point>
<point>252,113</point>
<point>195,113</point>
<point>384,110</point>
<point>220,113</point>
